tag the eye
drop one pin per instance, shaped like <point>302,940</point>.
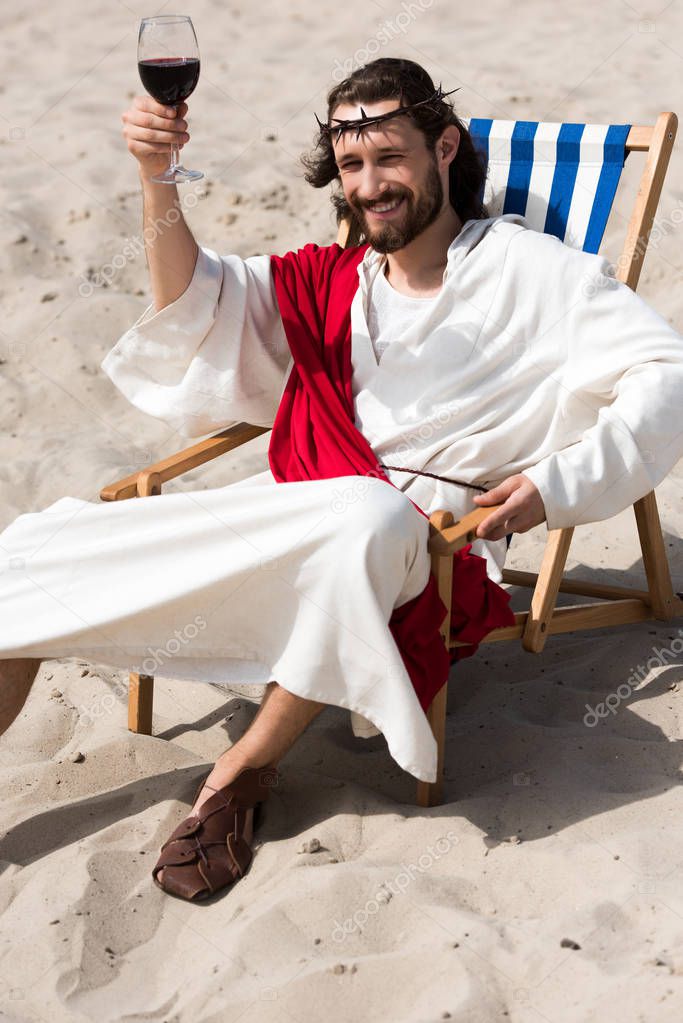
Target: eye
<point>353,164</point>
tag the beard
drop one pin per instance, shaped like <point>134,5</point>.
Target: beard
<point>416,216</point>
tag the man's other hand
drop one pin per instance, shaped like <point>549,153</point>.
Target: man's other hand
<point>521,508</point>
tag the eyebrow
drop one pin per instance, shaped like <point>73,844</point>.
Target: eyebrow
<point>381,149</point>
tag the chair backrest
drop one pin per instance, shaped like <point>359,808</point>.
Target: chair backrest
<point>561,177</point>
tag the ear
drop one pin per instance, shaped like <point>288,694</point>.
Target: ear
<point>447,144</point>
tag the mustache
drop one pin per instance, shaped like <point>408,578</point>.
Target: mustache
<point>382,201</point>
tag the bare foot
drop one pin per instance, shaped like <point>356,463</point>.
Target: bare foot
<point>16,678</point>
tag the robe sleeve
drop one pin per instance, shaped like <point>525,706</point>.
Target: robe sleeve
<point>216,355</point>
<point>621,370</point>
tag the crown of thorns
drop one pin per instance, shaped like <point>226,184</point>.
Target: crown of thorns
<point>364,120</point>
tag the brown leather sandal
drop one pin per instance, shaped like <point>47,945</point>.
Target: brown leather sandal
<point>211,850</point>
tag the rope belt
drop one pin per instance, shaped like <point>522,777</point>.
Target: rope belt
<point>445,479</point>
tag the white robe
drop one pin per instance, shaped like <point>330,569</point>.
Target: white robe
<point>532,359</point>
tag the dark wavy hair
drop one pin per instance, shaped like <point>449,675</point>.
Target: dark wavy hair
<point>408,82</point>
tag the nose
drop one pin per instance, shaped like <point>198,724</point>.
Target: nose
<point>372,185</point>
<point>370,195</point>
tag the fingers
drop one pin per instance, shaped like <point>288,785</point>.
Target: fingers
<point>150,105</point>
<point>509,518</point>
<point>141,149</point>
<point>517,515</point>
<point>498,494</point>
<point>148,134</point>
<point>150,127</point>
<point>521,508</point>
<point>149,121</point>
<point>495,529</point>
<point>499,532</point>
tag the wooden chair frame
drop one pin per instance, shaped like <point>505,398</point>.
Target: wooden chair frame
<point>622,605</point>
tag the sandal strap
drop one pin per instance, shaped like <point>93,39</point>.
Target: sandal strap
<point>208,851</point>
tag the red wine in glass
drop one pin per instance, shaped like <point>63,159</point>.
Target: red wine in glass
<point>170,80</point>
<point>168,65</point>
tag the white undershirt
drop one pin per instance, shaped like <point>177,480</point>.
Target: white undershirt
<point>389,311</point>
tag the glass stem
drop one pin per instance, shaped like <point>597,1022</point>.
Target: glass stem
<point>175,159</point>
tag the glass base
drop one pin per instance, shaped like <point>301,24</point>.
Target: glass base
<point>177,176</point>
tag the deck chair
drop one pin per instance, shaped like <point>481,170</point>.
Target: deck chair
<point>563,179</point>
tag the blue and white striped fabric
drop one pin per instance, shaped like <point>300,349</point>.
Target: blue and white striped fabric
<point>561,177</point>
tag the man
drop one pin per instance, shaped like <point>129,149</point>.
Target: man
<point>475,352</point>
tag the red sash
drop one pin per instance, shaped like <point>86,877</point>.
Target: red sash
<point>314,436</point>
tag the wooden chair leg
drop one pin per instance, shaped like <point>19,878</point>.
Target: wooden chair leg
<point>654,557</point>
<point>141,687</point>
<point>140,702</point>
<point>431,793</point>
<point>546,589</point>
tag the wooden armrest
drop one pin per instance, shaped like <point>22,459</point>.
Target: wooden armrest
<point>447,537</point>
<point>183,461</point>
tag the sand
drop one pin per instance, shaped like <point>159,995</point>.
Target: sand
<point>546,887</point>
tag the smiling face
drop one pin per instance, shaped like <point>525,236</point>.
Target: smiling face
<point>389,165</point>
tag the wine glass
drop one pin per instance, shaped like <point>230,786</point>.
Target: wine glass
<point>167,76</point>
